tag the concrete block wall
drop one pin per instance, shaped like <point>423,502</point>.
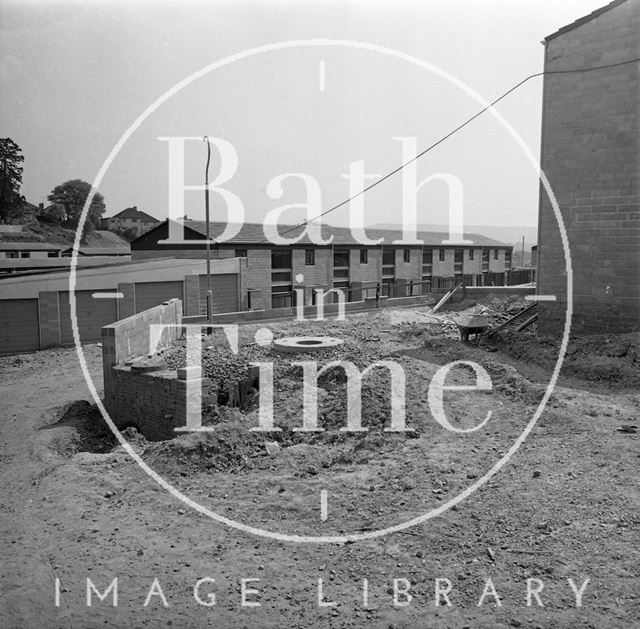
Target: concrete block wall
<point>591,155</point>
<point>131,337</point>
<point>154,402</point>
<point>496,266</point>
<point>258,276</point>
<point>318,273</point>
<point>191,295</point>
<point>472,267</point>
<point>49,319</point>
<point>411,270</point>
<point>446,267</point>
<point>369,272</point>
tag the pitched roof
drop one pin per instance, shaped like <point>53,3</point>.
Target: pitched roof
<point>134,213</point>
<point>19,245</point>
<point>253,233</point>
<point>585,19</point>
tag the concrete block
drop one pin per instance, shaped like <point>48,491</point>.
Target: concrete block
<point>189,373</point>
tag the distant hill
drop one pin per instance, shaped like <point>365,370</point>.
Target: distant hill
<point>507,235</point>
<point>54,234</point>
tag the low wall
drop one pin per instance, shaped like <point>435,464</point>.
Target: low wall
<point>472,292</point>
<point>131,337</point>
<point>478,292</point>
<point>310,312</point>
<point>153,401</point>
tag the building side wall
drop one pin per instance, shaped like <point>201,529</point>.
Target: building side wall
<point>369,272</point>
<point>590,154</point>
<point>443,268</point>
<point>411,270</point>
<point>259,274</point>
<point>473,267</point>
<point>496,266</point>
<point>318,273</point>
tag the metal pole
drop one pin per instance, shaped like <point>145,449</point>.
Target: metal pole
<point>208,245</point>
<point>523,251</point>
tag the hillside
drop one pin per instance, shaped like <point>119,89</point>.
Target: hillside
<point>44,232</point>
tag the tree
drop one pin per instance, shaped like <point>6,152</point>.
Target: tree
<point>10,179</point>
<point>128,233</point>
<point>71,197</point>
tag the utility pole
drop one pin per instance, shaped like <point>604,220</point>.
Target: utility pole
<point>522,251</point>
<point>208,245</point>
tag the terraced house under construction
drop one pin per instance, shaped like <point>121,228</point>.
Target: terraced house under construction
<point>271,274</point>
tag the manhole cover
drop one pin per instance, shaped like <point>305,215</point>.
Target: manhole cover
<point>300,344</point>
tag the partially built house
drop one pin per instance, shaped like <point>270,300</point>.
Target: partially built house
<point>591,155</point>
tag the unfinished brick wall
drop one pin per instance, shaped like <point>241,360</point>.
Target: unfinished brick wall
<point>131,337</point>
<point>143,393</point>
<point>154,402</point>
<point>591,155</point>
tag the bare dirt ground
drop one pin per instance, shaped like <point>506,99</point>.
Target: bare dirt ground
<point>566,506</point>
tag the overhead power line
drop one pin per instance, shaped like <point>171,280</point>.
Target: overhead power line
<point>453,132</point>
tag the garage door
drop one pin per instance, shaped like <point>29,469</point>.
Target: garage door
<point>151,294</point>
<point>92,314</point>
<point>225,293</point>
<point>19,330</point>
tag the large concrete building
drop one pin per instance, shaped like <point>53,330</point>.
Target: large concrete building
<point>271,274</point>
<point>591,155</point>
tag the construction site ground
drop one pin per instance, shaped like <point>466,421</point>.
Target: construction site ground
<point>565,506</point>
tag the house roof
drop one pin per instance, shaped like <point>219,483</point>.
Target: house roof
<point>585,19</point>
<point>253,233</point>
<point>134,213</point>
<point>29,246</point>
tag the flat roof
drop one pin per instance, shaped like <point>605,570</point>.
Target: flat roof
<point>100,251</point>
<point>30,246</point>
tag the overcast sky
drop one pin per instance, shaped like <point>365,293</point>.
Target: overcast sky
<point>74,77</point>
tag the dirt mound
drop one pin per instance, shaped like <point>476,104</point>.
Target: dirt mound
<point>225,449</point>
<point>80,428</point>
<point>605,358</point>
<point>506,379</point>
<point>220,365</point>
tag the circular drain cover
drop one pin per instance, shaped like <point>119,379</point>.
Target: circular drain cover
<point>301,344</point>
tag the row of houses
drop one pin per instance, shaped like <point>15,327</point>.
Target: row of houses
<point>278,276</point>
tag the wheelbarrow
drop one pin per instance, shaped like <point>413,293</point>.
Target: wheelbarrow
<point>471,324</point>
